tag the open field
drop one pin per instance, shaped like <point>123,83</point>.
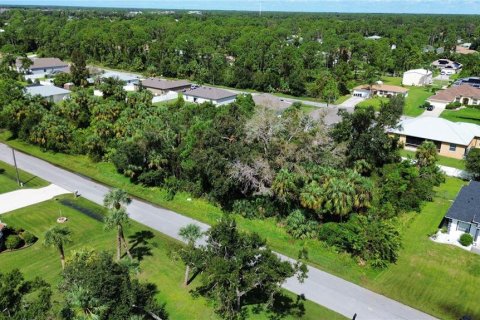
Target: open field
<point>416,96</point>
<point>8,179</point>
<point>158,264</point>
<point>463,115</point>
<point>421,278</point>
<point>375,102</point>
<point>444,161</point>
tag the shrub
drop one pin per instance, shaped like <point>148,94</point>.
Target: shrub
<point>466,239</point>
<point>453,105</point>
<point>299,226</point>
<point>28,237</point>
<point>13,242</point>
<point>425,105</point>
<point>257,208</point>
<point>443,230</point>
<point>2,170</point>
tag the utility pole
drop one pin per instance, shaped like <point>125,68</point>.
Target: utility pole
<point>16,168</point>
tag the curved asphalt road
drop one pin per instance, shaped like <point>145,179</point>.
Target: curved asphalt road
<point>327,290</point>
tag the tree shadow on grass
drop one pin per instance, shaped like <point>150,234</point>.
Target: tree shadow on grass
<point>140,244</point>
<point>283,306</point>
<point>459,311</point>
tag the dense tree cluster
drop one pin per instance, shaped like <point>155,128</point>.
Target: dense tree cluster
<point>320,55</point>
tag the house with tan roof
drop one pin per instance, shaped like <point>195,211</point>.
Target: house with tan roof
<point>381,90</point>
<point>464,50</point>
<point>209,94</point>
<point>161,86</point>
<point>464,93</point>
<point>452,139</point>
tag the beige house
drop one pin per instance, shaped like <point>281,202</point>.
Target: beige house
<point>160,86</point>
<point>452,139</point>
<point>464,93</point>
<point>381,90</point>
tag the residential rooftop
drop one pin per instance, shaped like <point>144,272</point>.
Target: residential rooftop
<point>210,93</point>
<point>270,101</point>
<point>44,63</point>
<point>45,91</point>
<point>419,71</point>
<point>471,81</point>
<point>120,76</point>
<point>161,84</point>
<point>382,87</point>
<point>466,206</point>
<point>438,129</point>
<point>450,94</point>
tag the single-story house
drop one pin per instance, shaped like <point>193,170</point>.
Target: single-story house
<point>44,66</point>
<point>381,90</point>
<point>160,86</point>
<point>128,79</point>
<point>447,66</point>
<point>471,81</point>
<point>417,77</point>
<point>271,102</point>
<point>50,93</point>
<point>452,139</point>
<point>464,214</point>
<point>464,50</point>
<point>208,94</point>
<point>464,93</point>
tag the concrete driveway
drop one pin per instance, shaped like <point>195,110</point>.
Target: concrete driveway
<point>351,102</point>
<point>434,113</point>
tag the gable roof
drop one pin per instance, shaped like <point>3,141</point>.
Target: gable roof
<point>449,94</point>
<point>46,63</point>
<point>156,83</point>
<point>382,87</point>
<point>45,91</point>
<point>466,206</point>
<point>120,76</point>
<point>210,93</point>
<point>438,129</point>
<point>423,72</point>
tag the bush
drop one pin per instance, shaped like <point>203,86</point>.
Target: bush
<point>13,242</point>
<point>466,239</point>
<point>257,208</point>
<point>453,105</point>
<point>28,237</point>
<point>299,226</point>
<point>2,170</point>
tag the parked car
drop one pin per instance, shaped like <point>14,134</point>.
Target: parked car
<point>430,108</point>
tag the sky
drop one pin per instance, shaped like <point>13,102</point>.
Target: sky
<point>375,6</point>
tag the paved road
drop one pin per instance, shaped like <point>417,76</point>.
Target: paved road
<point>332,292</point>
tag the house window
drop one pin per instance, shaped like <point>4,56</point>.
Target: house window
<point>475,101</point>
<point>463,226</point>
<point>453,147</point>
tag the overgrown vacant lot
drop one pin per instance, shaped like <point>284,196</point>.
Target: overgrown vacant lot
<point>157,256</point>
<point>8,179</point>
<point>422,277</point>
<point>463,115</point>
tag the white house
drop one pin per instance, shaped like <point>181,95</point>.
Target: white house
<point>129,79</point>
<point>381,90</point>
<point>50,93</point>
<point>417,77</point>
<point>43,66</point>
<point>208,94</point>
<point>464,214</point>
<point>447,67</point>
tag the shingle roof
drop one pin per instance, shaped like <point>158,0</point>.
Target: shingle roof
<point>45,63</point>
<point>210,93</point>
<point>45,91</point>
<point>449,95</point>
<point>383,87</point>
<point>156,83</point>
<point>438,129</point>
<point>466,206</point>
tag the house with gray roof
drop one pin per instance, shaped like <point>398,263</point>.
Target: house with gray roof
<point>452,139</point>
<point>43,66</point>
<point>209,94</point>
<point>464,214</point>
<point>50,93</point>
<point>161,86</point>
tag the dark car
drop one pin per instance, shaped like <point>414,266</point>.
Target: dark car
<point>430,108</point>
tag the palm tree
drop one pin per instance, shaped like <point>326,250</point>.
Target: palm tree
<point>57,237</point>
<point>116,201</point>
<point>426,154</point>
<point>190,234</point>
<point>117,218</point>
<point>84,305</point>
<point>116,198</point>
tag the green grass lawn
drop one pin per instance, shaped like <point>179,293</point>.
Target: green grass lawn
<point>444,161</point>
<point>416,96</point>
<point>395,282</point>
<point>8,179</point>
<point>463,115</point>
<point>157,265</point>
<point>375,102</point>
